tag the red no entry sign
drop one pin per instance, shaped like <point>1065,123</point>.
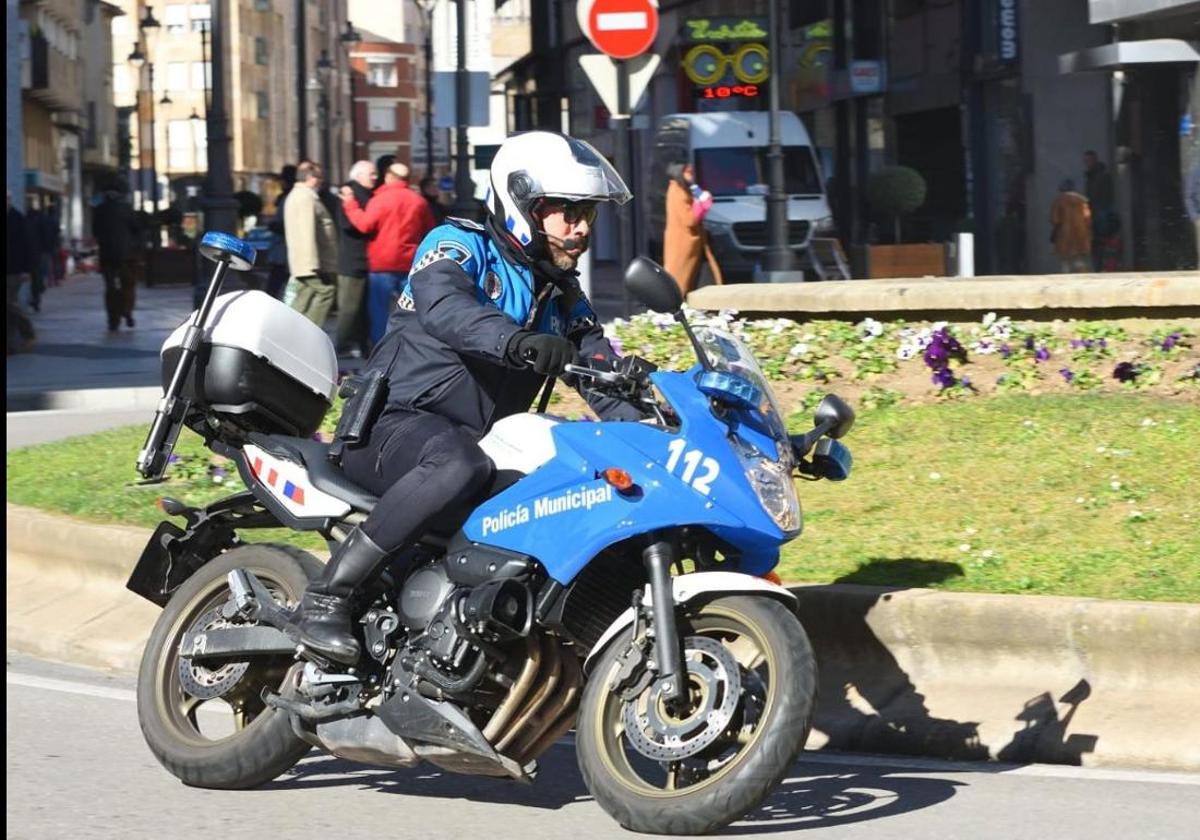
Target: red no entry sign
<point>620,28</point>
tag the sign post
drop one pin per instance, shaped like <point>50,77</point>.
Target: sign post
<point>621,29</point>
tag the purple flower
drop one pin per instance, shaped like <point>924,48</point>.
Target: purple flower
<point>617,345</point>
<point>943,377</point>
<point>1170,341</point>
<point>1005,350</point>
<point>1126,372</point>
<point>1028,342</point>
<point>174,459</point>
<point>1042,354</point>
<point>1076,343</point>
<point>1103,343</point>
<point>1067,374</point>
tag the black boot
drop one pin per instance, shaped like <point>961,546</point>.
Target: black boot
<point>323,623</point>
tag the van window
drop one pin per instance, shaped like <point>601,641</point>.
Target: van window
<point>731,170</point>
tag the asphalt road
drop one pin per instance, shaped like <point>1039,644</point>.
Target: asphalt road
<point>77,767</point>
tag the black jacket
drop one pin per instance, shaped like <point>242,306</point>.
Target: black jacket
<point>448,354</point>
<point>352,245</point>
<point>115,228</point>
<point>19,258</point>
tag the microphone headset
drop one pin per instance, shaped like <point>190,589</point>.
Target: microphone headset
<point>568,244</point>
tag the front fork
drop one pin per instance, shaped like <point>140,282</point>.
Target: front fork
<point>668,647</point>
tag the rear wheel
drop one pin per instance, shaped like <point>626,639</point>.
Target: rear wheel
<point>696,767</point>
<point>207,722</point>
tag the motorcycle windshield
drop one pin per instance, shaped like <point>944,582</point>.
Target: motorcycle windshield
<point>729,354</point>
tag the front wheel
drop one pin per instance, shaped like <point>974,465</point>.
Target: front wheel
<point>207,722</point>
<point>695,767</point>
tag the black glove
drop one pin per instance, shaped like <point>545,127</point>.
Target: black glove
<point>546,354</point>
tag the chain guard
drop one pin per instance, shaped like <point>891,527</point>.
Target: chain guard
<point>657,734</point>
<point>198,679</point>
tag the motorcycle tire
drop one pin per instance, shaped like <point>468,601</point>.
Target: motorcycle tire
<point>784,718</point>
<point>263,744</point>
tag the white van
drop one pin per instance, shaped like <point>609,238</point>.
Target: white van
<point>729,152</point>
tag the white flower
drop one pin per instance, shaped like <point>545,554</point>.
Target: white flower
<point>1100,449</point>
<point>988,553</point>
<point>1080,500</point>
<point>1116,485</point>
<point>935,476</point>
<point>964,547</point>
<point>970,532</point>
<point>869,329</point>
<point>798,349</point>
<point>989,319</point>
<point>1136,515</point>
<point>1146,421</point>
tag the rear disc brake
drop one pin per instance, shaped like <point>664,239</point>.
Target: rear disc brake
<point>198,678</point>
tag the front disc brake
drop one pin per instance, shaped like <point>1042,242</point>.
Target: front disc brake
<point>202,681</point>
<point>713,689</point>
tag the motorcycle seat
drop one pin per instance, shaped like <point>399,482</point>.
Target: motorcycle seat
<point>325,475</point>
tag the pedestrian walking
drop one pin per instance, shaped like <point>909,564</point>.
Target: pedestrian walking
<point>684,239</point>
<point>35,227</point>
<point>18,262</point>
<point>433,196</point>
<point>1071,228</point>
<point>1101,196</point>
<point>277,259</point>
<point>396,221</point>
<point>119,240</point>
<point>50,240</point>
<point>312,246</point>
<point>352,334</point>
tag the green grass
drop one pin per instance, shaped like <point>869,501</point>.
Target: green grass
<point>1064,495</point>
<point>1023,500</point>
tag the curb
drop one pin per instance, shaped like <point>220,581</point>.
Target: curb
<point>913,671</point>
<point>1145,294</point>
<point>85,399</point>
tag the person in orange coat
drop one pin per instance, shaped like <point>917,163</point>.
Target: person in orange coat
<point>1071,217</point>
<point>684,239</point>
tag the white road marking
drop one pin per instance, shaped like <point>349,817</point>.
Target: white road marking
<point>1054,771</point>
<point>103,692</point>
<point>621,21</point>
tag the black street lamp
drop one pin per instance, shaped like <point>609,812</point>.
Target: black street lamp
<point>427,6</point>
<point>778,255</point>
<point>464,186</point>
<point>349,38</point>
<point>324,71</point>
<point>149,28</point>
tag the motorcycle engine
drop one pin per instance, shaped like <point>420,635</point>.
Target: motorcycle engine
<point>422,596</point>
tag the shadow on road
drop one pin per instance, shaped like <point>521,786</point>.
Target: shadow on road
<point>811,795</point>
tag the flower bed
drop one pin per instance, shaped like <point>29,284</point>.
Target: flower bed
<point>884,363</point>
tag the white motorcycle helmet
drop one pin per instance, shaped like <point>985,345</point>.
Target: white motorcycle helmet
<point>543,164</point>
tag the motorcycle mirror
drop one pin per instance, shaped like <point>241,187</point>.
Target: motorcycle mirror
<point>649,282</point>
<point>834,411</point>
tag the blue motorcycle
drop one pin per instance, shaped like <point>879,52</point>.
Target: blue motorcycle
<point>614,578</point>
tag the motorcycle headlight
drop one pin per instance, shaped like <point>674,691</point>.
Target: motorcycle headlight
<point>772,482</point>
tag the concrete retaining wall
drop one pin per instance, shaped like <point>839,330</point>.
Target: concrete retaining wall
<point>1158,295</point>
<point>1065,680</point>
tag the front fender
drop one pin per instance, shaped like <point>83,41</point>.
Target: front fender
<point>697,586</point>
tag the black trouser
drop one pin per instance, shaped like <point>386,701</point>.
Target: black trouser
<point>120,290</point>
<point>424,469</point>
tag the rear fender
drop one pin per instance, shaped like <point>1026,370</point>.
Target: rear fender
<point>173,554</point>
<point>695,588</point>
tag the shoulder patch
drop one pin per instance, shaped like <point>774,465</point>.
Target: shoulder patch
<point>456,251</point>
<point>446,249</point>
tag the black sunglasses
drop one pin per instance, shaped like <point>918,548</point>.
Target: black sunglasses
<point>573,212</point>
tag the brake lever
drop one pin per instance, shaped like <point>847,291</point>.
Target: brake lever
<point>607,377</point>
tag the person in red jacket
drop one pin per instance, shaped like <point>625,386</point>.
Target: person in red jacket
<point>396,219</point>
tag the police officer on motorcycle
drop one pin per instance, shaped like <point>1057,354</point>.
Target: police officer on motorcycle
<point>487,314</point>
